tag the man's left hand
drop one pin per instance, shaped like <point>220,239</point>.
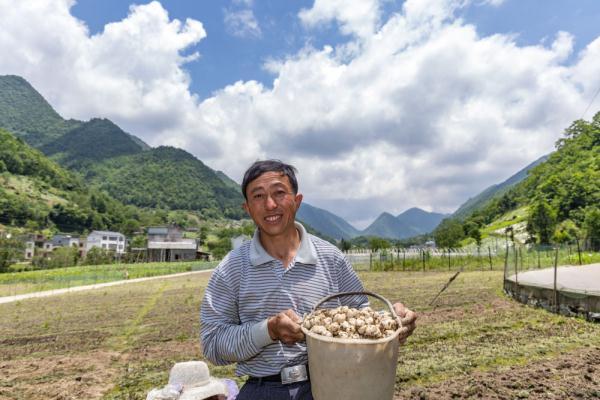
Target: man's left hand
<point>408,319</point>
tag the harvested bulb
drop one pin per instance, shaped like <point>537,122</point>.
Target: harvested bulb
<point>351,323</point>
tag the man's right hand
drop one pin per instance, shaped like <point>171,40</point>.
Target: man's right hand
<point>285,327</point>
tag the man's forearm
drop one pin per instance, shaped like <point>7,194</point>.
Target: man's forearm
<point>224,344</point>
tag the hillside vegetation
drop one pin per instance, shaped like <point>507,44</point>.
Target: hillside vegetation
<point>24,112</point>
<point>166,177</point>
<point>116,162</point>
<point>561,195</point>
<point>37,193</point>
<point>90,142</point>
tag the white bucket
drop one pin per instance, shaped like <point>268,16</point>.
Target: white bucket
<point>352,369</point>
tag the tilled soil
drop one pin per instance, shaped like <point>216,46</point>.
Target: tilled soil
<point>574,375</point>
<point>68,377</point>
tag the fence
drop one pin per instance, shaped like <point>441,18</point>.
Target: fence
<point>39,280</point>
<point>544,288</point>
<point>474,258</point>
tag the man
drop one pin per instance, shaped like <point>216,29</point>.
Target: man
<point>250,312</point>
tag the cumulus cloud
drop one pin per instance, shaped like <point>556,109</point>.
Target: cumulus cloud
<point>358,17</point>
<point>417,109</point>
<point>131,72</point>
<point>242,23</point>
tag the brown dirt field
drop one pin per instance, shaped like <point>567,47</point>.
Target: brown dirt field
<point>575,375</point>
<point>120,342</point>
<point>77,376</point>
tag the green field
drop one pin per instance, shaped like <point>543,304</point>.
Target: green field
<point>34,281</point>
<point>118,342</point>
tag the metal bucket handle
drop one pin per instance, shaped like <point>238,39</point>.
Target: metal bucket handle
<point>386,301</point>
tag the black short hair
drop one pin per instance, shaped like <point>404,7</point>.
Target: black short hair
<point>260,167</point>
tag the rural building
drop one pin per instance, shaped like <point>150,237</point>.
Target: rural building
<point>62,240</point>
<point>106,240</point>
<point>29,249</point>
<point>168,244</point>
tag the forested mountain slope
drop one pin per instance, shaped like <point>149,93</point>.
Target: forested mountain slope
<point>494,191</point>
<point>24,112</point>
<point>37,193</point>
<point>115,161</point>
<point>166,177</point>
<point>561,195</point>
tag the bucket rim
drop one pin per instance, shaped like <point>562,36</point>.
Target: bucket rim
<point>350,341</point>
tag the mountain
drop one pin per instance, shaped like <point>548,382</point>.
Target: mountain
<point>558,201</point>
<point>25,113</point>
<point>326,222</point>
<point>228,181</point>
<point>387,226</point>
<point>116,161</point>
<point>411,222</point>
<point>92,141</point>
<point>421,221</point>
<point>166,177</point>
<point>37,193</point>
<point>494,191</point>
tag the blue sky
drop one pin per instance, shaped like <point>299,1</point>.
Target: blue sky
<point>226,58</point>
<point>382,105</point>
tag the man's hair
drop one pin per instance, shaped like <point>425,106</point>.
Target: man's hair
<point>260,167</point>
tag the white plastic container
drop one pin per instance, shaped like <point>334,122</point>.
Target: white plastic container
<point>352,369</point>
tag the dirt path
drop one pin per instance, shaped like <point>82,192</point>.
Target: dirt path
<point>46,293</point>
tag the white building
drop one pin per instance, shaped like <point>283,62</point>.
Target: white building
<point>106,240</point>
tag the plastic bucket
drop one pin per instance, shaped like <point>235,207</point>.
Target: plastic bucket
<point>352,369</point>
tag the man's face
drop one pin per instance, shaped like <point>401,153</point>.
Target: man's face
<point>272,204</point>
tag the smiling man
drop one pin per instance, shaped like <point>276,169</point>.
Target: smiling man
<point>251,307</point>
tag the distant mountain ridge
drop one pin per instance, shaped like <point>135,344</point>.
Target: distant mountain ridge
<point>326,222</point>
<point>411,222</point>
<point>494,191</point>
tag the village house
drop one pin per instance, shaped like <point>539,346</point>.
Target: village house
<point>106,240</point>
<point>29,249</point>
<point>168,244</point>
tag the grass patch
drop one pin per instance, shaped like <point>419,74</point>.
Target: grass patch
<point>39,280</point>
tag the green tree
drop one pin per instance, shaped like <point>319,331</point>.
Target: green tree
<point>592,227</point>
<point>566,232</point>
<point>220,247</point>
<point>63,257</point>
<point>11,251</point>
<point>377,243</point>
<point>345,245</point>
<point>448,233</point>
<point>98,256</point>
<point>541,222</point>
<point>472,230</point>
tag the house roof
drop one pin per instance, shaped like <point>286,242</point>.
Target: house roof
<point>158,230</point>
<point>180,245</point>
<point>105,233</point>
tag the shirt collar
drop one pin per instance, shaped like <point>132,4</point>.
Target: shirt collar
<point>307,254</point>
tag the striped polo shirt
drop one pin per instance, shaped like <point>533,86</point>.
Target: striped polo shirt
<point>249,286</point>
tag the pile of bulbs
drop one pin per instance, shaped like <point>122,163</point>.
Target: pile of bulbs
<point>351,323</point>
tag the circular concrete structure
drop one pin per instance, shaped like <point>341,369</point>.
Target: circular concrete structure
<point>577,290</point>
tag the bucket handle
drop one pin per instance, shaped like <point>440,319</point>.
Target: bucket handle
<point>386,301</point>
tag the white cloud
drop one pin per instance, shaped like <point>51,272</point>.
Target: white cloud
<point>242,23</point>
<point>358,17</point>
<point>414,110</point>
<point>494,3</point>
